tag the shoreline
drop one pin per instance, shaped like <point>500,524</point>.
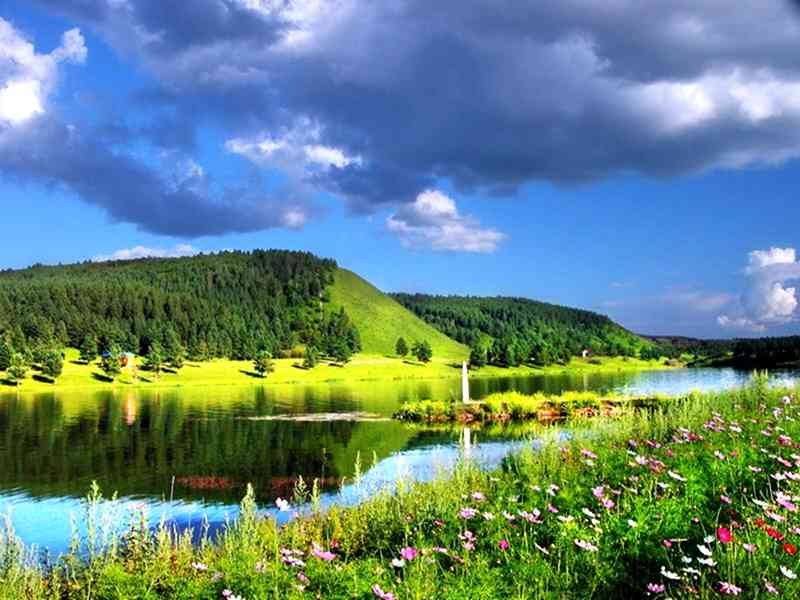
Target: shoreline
<point>363,368</point>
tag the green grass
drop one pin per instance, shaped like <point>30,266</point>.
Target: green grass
<point>363,367</point>
<point>380,320</point>
<point>693,496</point>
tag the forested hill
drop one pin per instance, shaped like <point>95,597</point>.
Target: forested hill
<point>230,304</point>
<point>509,331</point>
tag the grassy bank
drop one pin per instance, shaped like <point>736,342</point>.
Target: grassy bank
<point>696,499</point>
<point>513,406</point>
<point>363,367</point>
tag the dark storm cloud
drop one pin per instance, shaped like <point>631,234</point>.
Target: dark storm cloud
<point>485,94</point>
<point>44,150</point>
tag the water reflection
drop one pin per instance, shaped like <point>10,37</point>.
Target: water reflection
<point>190,453</point>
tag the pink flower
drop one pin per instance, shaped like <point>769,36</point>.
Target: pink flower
<point>729,589</point>
<point>409,553</point>
<point>379,593</point>
<point>467,513</point>
<point>503,545</point>
<point>724,535</point>
<point>588,453</point>
<point>656,588</point>
<point>724,499</point>
<point>322,554</point>
<point>478,496</point>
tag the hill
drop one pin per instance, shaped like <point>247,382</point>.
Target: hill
<point>229,304</point>
<point>380,319</point>
<point>513,331</point>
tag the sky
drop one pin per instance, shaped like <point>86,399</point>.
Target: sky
<point>638,159</point>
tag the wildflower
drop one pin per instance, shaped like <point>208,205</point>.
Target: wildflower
<point>409,553</point>
<point>724,499</point>
<point>704,550</point>
<point>552,509</point>
<point>398,563</point>
<point>586,453</point>
<point>508,516</point>
<point>788,573</point>
<point>599,491</point>
<point>729,589</point>
<point>790,548</point>
<point>478,496</point>
<point>259,567</point>
<point>301,577</point>
<point>667,543</point>
<point>584,545</point>
<point>198,566</point>
<point>775,516</point>
<point>771,589</point>
<point>589,513</point>
<point>321,554</point>
<point>379,593</point>
<point>724,535</point>
<point>656,588</point>
<point>708,562</point>
<point>541,549</point>
<point>229,595</point>
<point>774,533</point>
<point>487,516</point>
<point>503,545</point>
<point>282,505</point>
<point>670,574</point>
<point>467,513</point>
<point>676,476</point>
<point>608,503</point>
<point>749,547</point>
<point>632,523</point>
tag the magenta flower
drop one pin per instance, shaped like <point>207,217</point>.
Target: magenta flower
<point>503,545</point>
<point>321,554</point>
<point>729,589</point>
<point>656,588</point>
<point>724,535</point>
<point>408,553</point>
<point>379,593</point>
<point>467,513</point>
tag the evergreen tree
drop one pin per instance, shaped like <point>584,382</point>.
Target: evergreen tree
<point>310,358</point>
<point>154,359</point>
<point>342,352</point>
<point>53,363</point>
<point>6,351</point>
<point>401,347</point>
<point>110,363</point>
<point>89,349</point>
<point>263,363</point>
<point>477,355</point>
<point>423,351</point>
<point>18,368</point>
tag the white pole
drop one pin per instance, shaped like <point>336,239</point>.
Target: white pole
<point>464,383</point>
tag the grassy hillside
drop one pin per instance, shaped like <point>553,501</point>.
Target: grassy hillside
<point>380,320</point>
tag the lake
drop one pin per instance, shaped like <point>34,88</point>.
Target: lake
<point>189,454</point>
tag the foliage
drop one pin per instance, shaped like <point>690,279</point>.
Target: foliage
<point>110,361</point>
<point>263,363</point>
<point>310,357</point>
<point>154,359</point>
<point>340,352</point>
<point>401,348</point>
<point>227,304</point>
<point>88,349</point>
<point>766,352</point>
<point>423,351</point>
<point>6,350</point>
<point>53,363</point>
<point>521,330</point>
<point>18,368</point>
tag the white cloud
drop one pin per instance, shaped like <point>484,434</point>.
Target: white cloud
<point>296,149</point>
<point>433,221</point>
<point>27,78</point>
<point>145,252</point>
<point>767,299</point>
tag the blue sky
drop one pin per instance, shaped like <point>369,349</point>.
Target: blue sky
<point>538,154</point>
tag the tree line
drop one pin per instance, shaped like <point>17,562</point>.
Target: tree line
<point>227,305</point>
<point>515,331</point>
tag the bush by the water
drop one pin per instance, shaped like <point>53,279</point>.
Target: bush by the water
<point>694,499</point>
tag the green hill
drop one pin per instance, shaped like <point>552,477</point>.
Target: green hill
<point>380,320</point>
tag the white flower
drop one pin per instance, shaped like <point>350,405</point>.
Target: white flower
<point>632,523</point>
<point>398,563</point>
<point>788,573</point>
<point>670,574</point>
<point>704,550</point>
<point>283,505</point>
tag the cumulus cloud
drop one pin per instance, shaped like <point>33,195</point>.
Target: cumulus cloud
<point>145,252</point>
<point>173,197</point>
<point>767,300</point>
<point>433,221</point>
<point>407,96</point>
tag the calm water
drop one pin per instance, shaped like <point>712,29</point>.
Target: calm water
<point>188,454</point>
